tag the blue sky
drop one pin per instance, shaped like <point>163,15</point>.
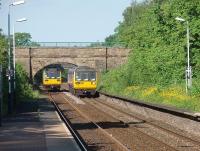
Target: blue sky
<point>65,20</point>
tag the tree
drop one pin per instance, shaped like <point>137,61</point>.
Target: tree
<point>111,40</point>
<point>24,39</point>
<point>158,41</point>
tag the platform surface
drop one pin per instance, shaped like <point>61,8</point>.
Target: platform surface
<point>36,131</point>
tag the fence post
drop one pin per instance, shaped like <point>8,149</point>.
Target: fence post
<point>1,95</point>
<point>30,66</point>
<point>106,59</point>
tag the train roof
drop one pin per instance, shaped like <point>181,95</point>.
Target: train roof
<point>83,68</point>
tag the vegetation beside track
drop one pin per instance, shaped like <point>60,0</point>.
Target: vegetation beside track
<point>173,95</point>
<point>155,71</point>
<point>24,89</point>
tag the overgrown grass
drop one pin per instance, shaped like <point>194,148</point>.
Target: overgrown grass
<point>171,95</point>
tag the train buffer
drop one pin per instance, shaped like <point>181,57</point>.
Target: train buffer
<point>42,130</point>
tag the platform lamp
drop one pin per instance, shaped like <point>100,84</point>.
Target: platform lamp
<point>9,71</point>
<point>14,62</point>
<point>188,72</point>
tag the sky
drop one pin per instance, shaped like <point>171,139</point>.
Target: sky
<point>65,20</point>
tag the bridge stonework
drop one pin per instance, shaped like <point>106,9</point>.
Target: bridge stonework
<point>34,59</point>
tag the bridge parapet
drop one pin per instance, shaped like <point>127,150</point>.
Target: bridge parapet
<point>80,44</point>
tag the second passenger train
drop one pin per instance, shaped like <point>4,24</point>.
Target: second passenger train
<point>82,80</point>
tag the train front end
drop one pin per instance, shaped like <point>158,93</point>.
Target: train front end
<point>52,78</point>
<point>84,81</point>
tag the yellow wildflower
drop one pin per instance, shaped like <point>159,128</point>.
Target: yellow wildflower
<point>149,91</point>
<point>131,89</point>
<point>176,93</point>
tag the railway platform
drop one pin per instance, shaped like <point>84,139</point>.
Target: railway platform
<point>40,130</point>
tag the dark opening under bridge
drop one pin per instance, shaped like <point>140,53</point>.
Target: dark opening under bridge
<point>100,57</point>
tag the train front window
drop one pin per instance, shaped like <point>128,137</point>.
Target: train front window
<point>52,73</point>
<point>92,76</point>
<point>86,76</point>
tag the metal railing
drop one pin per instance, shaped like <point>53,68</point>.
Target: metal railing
<point>77,44</point>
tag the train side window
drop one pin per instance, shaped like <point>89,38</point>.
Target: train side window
<point>78,76</point>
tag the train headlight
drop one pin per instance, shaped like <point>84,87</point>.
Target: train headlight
<point>93,83</point>
<point>77,83</point>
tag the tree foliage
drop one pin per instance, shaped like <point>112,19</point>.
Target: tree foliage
<point>24,39</point>
<point>158,41</point>
<point>3,47</point>
<point>3,63</point>
<point>24,89</point>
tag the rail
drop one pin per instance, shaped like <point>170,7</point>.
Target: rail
<point>81,144</point>
<point>122,146</point>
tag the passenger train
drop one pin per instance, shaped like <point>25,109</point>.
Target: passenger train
<point>51,78</point>
<point>82,80</point>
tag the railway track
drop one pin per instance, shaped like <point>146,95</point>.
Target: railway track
<point>77,136</point>
<point>129,131</point>
<point>74,133</point>
<point>101,104</point>
<point>139,131</point>
<point>148,121</point>
<point>118,133</point>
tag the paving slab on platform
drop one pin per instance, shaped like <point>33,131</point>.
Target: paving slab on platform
<point>58,137</point>
<point>36,131</point>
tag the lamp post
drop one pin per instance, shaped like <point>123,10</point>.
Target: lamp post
<point>188,72</point>
<point>9,73</point>
<point>14,64</point>
<point>1,94</point>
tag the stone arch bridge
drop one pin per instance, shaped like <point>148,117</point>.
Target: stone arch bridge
<point>35,58</point>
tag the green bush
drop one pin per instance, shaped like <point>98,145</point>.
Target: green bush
<point>24,89</point>
<point>113,80</point>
